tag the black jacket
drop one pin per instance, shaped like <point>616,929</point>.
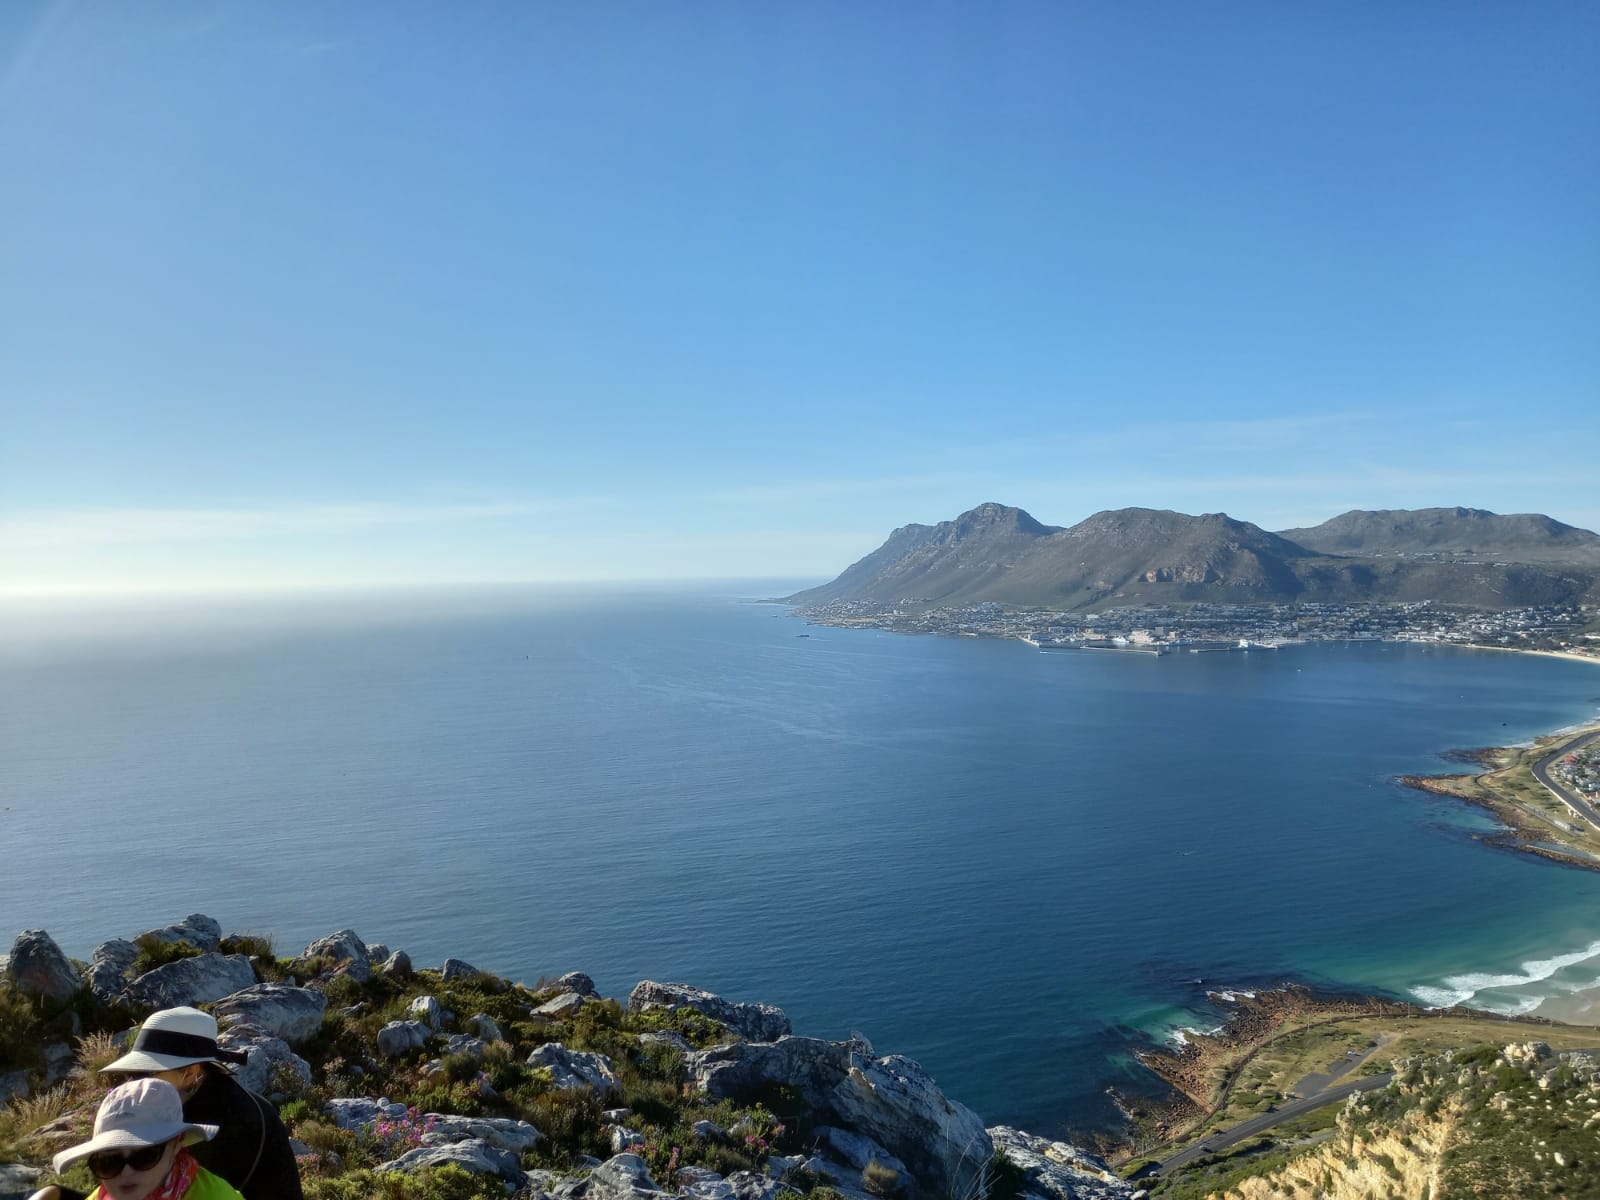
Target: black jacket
<point>251,1149</point>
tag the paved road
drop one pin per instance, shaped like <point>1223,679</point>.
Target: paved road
<point>1286,1111</point>
<point>1541,772</point>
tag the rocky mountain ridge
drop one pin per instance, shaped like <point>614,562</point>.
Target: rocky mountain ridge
<point>995,553</point>
<point>547,1091</point>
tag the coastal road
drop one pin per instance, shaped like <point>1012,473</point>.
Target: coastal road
<point>1286,1111</point>
<point>1567,796</point>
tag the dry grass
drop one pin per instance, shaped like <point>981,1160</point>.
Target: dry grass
<point>97,1050</point>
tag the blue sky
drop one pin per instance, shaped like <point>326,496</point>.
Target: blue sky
<point>302,294</point>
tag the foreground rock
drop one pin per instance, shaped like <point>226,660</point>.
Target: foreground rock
<point>192,981</point>
<point>291,1013</point>
<point>891,1101</point>
<point>1058,1171</point>
<point>38,968</point>
<point>758,1022</point>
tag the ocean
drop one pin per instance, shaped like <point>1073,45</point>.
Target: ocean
<point>1013,866</point>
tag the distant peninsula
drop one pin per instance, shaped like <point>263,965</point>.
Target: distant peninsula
<point>1157,582</point>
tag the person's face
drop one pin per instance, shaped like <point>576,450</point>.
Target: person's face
<point>186,1079</point>
<point>127,1179</point>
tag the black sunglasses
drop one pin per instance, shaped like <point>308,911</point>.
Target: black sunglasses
<point>108,1165</point>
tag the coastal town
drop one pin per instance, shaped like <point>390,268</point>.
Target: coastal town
<point>1205,627</point>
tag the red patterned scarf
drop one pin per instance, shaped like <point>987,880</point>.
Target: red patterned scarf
<point>177,1182</point>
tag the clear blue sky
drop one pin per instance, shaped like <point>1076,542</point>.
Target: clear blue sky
<point>309,293</point>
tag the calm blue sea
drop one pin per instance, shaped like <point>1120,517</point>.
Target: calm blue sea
<point>1010,865</point>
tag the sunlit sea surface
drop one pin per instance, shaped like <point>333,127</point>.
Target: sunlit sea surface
<point>1011,865</point>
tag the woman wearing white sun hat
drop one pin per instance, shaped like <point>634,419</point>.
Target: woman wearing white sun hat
<point>140,1148</point>
<point>251,1149</point>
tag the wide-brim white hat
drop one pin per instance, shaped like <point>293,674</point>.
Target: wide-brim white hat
<point>173,1038</point>
<point>142,1112</point>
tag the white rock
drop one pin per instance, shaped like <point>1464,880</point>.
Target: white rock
<point>199,930</point>
<point>348,952</point>
<point>37,967</point>
<point>426,1009</point>
<point>477,1157</point>
<point>291,1013</point>
<point>563,1005</point>
<point>576,1069</point>
<point>1059,1170</point>
<point>758,1022</point>
<point>192,981</point>
<point>399,1038</point>
<point>271,1067</point>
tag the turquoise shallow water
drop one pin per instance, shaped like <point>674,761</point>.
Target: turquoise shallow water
<point>1008,864</point>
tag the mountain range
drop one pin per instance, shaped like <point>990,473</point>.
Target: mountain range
<point>1137,556</point>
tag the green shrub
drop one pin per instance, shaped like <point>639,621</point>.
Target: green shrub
<point>21,1046</point>
<point>153,953</point>
<point>449,1182</point>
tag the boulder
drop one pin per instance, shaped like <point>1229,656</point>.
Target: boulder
<point>377,952</point>
<point>485,1027</point>
<point>59,1060</point>
<point>758,1022</point>
<point>701,1184</point>
<point>399,1038</point>
<point>192,981</point>
<point>360,1112</point>
<point>577,981</point>
<point>199,930</point>
<point>502,1133</point>
<point>743,1070</point>
<point>291,1013</point>
<point>426,1009</point>
<point>17,1181</point>
<point>478,1157</point>
<point>747,1185</point>
<point>13,1086</point>
<point>667,1037</point>
<point>38,967</point>
<point>572,1069</point>
<point>462,1043</point>
<point>893,1101</point>
<point>563,1005</point>
<point>858,1151</point>
<point>621,1177</point>
<point>347,951</point>
<point>272,1067</point>
<point>110,969</point>
<point>397,965</point>
<point>1058,1171</point>
<point>709,1131</point>
<point>455,969</point>
<point>624,1139</point>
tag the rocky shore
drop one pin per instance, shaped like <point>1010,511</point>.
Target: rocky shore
<point>450,1083</point>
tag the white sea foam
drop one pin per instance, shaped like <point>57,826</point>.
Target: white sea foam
<point>1462,989</point>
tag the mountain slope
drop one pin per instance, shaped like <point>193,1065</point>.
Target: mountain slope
<point>1141,556</point>
<point>936,561</point>
<point>1467,533</point>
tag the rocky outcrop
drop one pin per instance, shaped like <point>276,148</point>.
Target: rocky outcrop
<point>291,1013</point>
<point>426,1009</point>
<point>110,969</point>
<point>577,1069</point>
<point>197,929</point>
<point>577,981</point>
<point>477,1157</point>
<point>272,1068</point>
<point>192,981</point>
<point>621,1177</point>
<point>758,1022</point>
<point>37,967</point>
<point>345,950</point>
<point>891,1101</point>
<point>399,1038</point>
<point>1058,1171</point>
